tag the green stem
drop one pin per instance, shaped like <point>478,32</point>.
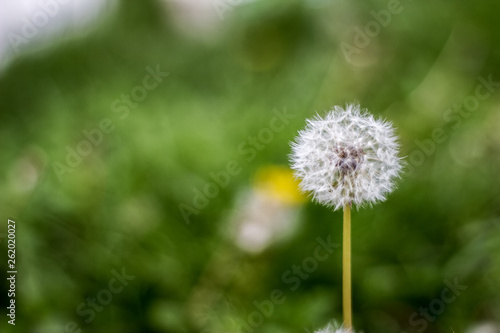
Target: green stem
<point>346,269</point>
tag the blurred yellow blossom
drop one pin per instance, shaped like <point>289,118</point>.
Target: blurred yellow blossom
<point>278,183</point>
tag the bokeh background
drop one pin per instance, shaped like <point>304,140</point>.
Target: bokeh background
<point>128,202</point>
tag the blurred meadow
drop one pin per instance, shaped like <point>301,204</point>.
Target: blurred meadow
<point>144,158</point>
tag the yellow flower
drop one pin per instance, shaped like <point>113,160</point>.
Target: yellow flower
<point>278,182</point>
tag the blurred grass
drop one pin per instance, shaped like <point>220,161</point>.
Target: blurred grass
<point>119,208</point>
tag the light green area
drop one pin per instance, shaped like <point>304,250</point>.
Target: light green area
<point>119,207</point>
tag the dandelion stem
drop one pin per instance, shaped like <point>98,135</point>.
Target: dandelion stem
<point>346,268</point>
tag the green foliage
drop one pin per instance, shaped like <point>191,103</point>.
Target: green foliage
<point>119,207</point>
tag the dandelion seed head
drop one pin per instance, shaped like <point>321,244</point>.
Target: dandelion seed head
<point>331,329</point>
<point>346,157</point>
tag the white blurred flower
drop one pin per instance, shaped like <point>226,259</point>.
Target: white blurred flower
<point>268,212</point>
<point>194,18</point>
<point>34,24</point>
<point>346,157</point>
<point>201,20</point>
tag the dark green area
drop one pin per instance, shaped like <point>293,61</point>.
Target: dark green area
<point>119,207</point>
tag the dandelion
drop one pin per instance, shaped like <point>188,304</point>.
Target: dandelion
<point>331,329</point>
<point>346,157</point>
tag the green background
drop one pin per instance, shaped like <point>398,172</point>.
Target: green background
<point>119,208</point>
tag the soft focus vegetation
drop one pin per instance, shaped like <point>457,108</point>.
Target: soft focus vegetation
<point>119,207</point>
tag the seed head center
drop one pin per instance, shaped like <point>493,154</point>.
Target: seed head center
<point>349,159</point>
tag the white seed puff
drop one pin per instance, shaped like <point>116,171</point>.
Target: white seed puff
<point>331,329</point>
<point>346,157</point>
